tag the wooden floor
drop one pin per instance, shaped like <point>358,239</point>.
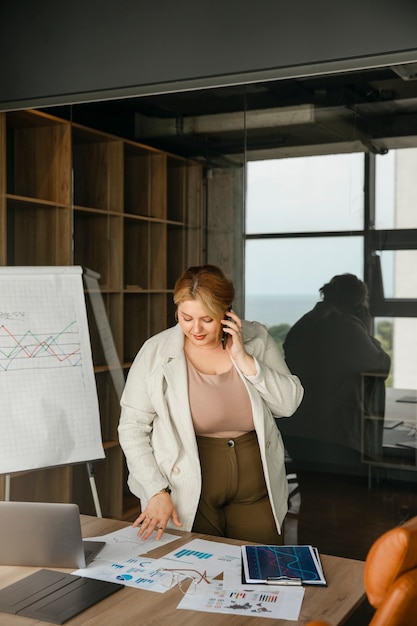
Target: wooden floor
<point>342,515</point>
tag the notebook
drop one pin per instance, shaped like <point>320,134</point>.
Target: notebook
<point>54,597</point>
<point>41,534</point>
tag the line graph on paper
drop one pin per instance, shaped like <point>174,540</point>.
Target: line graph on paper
<point>34,349</point>
<point>49,412</point>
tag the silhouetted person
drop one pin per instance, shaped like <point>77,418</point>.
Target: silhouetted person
<point>328,349</point>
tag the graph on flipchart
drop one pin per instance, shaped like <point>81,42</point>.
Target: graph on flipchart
<point>31,349</point>
<point>49,410</point>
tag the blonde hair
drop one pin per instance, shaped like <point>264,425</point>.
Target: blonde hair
<point>208,285</point>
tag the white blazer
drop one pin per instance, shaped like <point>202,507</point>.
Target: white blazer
<point>156,429</point>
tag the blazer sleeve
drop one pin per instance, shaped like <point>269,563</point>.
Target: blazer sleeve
<point>281,391</point>
<point>135,429</point>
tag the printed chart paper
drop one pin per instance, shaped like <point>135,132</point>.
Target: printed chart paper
<point>282,603</point>
<point>211,557</point>
<point>123,559</point>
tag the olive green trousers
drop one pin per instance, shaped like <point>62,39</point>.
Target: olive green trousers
<point>234,500</point>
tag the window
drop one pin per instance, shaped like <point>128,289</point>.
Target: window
<point>283,276</point>
<point>304,224</point>
<point>308,194</point>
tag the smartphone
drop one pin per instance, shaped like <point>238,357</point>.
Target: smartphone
<point>225,335</point>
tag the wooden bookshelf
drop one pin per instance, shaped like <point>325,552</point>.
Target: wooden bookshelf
<point>70,195</point>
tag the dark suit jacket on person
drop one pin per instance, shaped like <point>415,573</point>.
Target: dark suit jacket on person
<point>329,350</point>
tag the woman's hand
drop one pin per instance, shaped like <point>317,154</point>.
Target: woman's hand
<point>235,345</point>
<point>158,511</point>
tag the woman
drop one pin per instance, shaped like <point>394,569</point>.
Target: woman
<point>197,425</point>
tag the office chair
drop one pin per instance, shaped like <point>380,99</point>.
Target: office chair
<point>390,577</point>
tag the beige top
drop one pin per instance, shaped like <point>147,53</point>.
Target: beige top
<point>220,404</point>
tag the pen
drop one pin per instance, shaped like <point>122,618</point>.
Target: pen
<point>283,580</point>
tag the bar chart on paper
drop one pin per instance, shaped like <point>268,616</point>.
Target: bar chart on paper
<point>49,409</point>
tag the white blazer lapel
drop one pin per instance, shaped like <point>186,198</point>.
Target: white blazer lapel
<point>175,372</point>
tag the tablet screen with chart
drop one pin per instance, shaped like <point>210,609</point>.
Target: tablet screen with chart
<point>49,411</point>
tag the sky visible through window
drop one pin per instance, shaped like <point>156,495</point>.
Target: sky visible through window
<point>308,194</point>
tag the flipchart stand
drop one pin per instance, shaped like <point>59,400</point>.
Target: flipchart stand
<point>92,289</point>
<point>91,478</point>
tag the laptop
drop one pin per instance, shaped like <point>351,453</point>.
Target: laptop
<point>40,534</point>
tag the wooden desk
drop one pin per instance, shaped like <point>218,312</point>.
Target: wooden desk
<point>130,607</point>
